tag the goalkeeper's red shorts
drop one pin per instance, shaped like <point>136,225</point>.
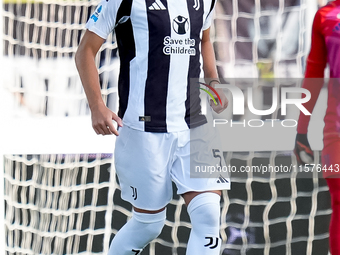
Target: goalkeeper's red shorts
<point>331,158</point>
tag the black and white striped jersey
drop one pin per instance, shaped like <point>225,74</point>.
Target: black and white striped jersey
<point>159,49</point>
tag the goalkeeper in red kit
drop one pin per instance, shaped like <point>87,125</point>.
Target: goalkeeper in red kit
<point>325,49</point>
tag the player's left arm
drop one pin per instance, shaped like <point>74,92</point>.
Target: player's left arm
<point>210,71</point>
<point>313,82</point>
<point>315,67</point>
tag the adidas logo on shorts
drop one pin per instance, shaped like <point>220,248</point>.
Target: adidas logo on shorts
<point>221,179</point>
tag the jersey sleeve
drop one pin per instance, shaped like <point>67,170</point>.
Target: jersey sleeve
<point>317,58</point>
<point>316,63</point>
<point>208,20</point>
<point>103,19</point>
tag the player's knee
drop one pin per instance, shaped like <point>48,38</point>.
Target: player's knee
<point>153,222</point>
<point>204,210</point>
<point>334,189</point>
<point>335,198</point>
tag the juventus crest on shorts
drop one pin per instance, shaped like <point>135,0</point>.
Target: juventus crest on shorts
<point>159,49</point>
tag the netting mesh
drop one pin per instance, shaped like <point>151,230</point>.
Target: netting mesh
<point>276,214</point>
<point>70,204</point>
<point>261,38</point>
<point>40,40</point>
<point>55,204</point>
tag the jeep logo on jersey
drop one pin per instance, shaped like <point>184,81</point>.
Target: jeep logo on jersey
<point>180,25</point>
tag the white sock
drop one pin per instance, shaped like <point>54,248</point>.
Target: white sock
<point>204,212</point>
<point>137,233</point>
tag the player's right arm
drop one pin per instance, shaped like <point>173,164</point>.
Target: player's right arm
<point>313,82</point>
<point>85,61</point>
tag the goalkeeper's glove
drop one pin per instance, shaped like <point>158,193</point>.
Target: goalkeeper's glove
<point>302,150</point>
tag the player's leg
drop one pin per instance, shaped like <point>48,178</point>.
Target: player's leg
<point>334,226</point>
<point>139,231</point>
<point>141,161</point>
<point>204,212</point>
<point>331,159</point>
<point>201,191</point>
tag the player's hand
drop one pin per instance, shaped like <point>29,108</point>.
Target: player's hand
<point>219,107</point>
<point>102,120</point>
<point>302,150</point>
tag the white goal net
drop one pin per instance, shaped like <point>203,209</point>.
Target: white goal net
<point>61,194</point>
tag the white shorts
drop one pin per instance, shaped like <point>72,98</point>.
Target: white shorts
<point>147,163</point>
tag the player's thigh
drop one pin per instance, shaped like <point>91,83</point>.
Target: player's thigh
<point>188,196</point>
<point>198,162</point>
<point>331,158</point>
<point>142,166</point>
